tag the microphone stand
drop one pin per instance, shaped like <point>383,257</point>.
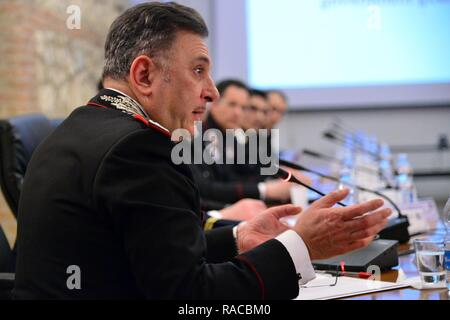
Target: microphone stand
<point>288,177</point>
<point>396,229</point>
<point>333,137</point>
<point>319,155</point>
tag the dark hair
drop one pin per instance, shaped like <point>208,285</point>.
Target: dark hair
<point>222,86</point>
<point>280,93</point>
<point>259,93</point>
<point>148,28</point>
<point>100,85</point>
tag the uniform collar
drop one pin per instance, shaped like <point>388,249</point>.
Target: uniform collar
<point>115,99</point>
<point>134,102</point>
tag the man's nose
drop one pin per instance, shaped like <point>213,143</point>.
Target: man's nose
<point>210,92</point>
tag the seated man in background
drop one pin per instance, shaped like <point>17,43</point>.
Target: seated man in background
<point>257,117</point>
<point>219,184</point>
<point>255,113</point>
<point>105,213</point>
<point>278,105</point>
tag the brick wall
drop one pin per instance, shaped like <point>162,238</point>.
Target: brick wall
<point>45,66</point>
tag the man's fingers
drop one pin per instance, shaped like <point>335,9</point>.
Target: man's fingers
<point>363,227</point>
<point>284,211</point>
<point>368,221</point>
<point>354,211</point>
<point>331,199</point>
<point>367,233</point>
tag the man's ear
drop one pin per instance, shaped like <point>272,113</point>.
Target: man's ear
<point>142,74</point>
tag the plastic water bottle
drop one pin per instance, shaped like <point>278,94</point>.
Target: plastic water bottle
<point>385,167</point>
<point>349,142</point>
<point>346,178</point>
<point>446,217</point>
<point>404,181</point>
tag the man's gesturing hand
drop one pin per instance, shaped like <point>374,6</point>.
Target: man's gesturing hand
<point>329,231</point>
<point>264,226</point>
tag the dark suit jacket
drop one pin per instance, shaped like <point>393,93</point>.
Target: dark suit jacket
<point>220,184</point>
<point>101,193</point>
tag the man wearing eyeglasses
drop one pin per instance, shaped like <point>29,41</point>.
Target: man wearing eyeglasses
<point>219,185</point>
<point>255,114</point>
<point>277,108</point>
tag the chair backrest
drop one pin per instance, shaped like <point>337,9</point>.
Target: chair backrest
<point>7,267</point>
<point>7,255</point>
<point>19,137</point>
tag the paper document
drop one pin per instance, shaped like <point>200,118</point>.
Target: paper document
<point>345,287</point>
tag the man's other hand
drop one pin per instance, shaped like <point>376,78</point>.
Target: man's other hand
<point>264,227</point>
<point>243,210</point>
<point>329,231</point>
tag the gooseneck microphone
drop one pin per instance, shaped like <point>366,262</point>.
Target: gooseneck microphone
<point>289,177</point>
<point>319,155</point>
<point>340,140</point>
<point>302,168</point>
<point>397,229</point>
<point>328,158</point>
<point>369,170</point>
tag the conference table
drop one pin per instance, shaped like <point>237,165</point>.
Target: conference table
<point>408,268</point>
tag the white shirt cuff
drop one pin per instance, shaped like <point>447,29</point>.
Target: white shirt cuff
<point>215,214</point>
<point>262,190</point>
<point>300,256</point>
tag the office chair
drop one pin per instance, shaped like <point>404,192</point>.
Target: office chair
<point>7,267</point>
<point>19,137</point>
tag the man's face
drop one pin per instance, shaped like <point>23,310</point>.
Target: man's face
<point>182,91</point>
<point>255,114</point>
<point>227,112</point>
<point>277,109</point>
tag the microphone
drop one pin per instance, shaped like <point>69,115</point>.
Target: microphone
<point>369,170</point>
<point>289,177</point>
<point>443,143</point>
<point>340,126</point>
<point>316,154</point>
<point>302,168</point>
<point>396,229</point>
<point>325,157</point>
<point>338,139</point>
<point>382,253</point>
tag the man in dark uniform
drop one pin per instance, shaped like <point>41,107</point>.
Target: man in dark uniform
<point>105,213</point>
<point>278,105</point>
<point>223,182</point>
<point>254,118</point>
